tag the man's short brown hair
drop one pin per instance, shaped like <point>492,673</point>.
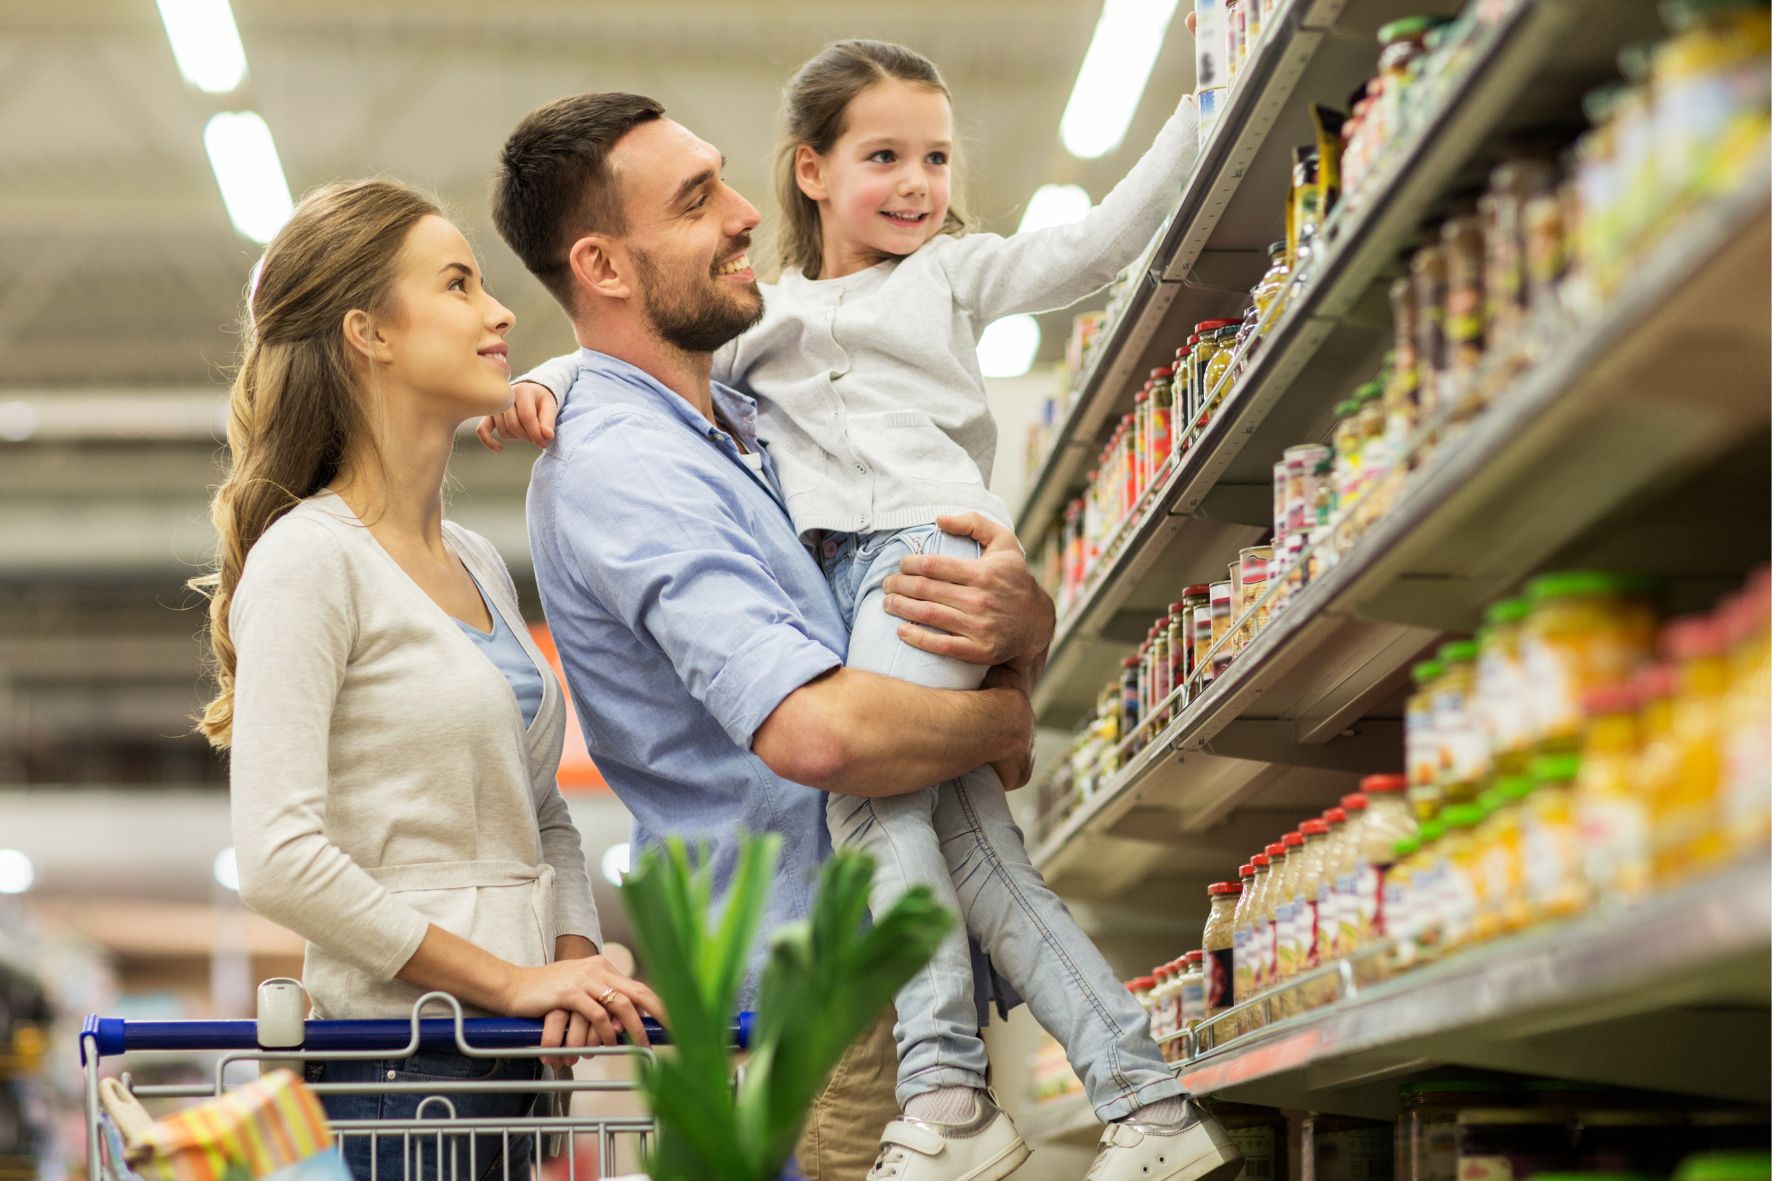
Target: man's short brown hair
<point>554,184</point>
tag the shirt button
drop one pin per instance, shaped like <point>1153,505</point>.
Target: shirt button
<point>862,468</point>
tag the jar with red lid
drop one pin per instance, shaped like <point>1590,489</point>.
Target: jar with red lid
<point>1218,941</point>
<point>1386,820</point>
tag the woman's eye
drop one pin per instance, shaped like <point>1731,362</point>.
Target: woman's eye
<point>460,283</point>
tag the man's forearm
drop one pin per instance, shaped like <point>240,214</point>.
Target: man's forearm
<point>858,733</point>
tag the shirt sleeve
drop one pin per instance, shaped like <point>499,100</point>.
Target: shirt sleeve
<point>293,628</point>
<point>575,908</point>
<point>648,526</point>
<point>1041,270</point>
<point>556,374</point>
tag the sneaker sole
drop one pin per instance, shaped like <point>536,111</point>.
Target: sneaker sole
<point>1004,1163</point>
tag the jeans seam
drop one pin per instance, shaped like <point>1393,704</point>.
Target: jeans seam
<point>1116,1069</point>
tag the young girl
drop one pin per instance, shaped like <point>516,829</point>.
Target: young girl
<point>873,407</point>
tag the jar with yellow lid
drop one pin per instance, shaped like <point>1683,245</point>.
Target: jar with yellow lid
<point>1457,892</point>
<point>1585,630</point>
<point>1421,746</point>
<point>1456,725</point>
<point>1612,812</point>
<point>1503,704</point>
<point>1689,832</point>
<point>1555,887</point>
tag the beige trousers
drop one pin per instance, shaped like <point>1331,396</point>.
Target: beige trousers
<point>842,1134</point>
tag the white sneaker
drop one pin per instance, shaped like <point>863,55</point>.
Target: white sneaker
<point>985,1148</point>
<point>1194,1148</point>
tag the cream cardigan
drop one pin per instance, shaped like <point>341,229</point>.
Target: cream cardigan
<point>381,775</point>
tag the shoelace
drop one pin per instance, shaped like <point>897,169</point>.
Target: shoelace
<point>887,1165</point>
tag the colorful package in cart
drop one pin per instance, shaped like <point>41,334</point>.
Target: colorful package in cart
<point>273,1127</point>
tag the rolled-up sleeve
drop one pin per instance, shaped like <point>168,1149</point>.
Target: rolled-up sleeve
<point>655,538</point>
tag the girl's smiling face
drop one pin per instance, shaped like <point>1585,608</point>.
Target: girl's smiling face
<point>882,189</point>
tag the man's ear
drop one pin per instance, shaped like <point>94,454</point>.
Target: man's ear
<point>363,336</point>
<point>599,267</point>
<point>809,173</point>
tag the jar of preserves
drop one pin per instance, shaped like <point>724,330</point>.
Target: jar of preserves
<point>1463,751</point>
<point>1401,407</point>
<point>1688,829</point>
<point>1585,630</point>
<point>1421,744</point>
<point>1161,998</point>
<point>1285,920</point>
<point>1141,432</point>
<point>1346,441</point>
<point>1185,406</point>
<point>1555,887</point>
<point>1425,877</point>
<point>1711,93</point>
<point>1253,564</point>
<point>1193,989</point>
<point>1206,663</point>
<point>1747,741</point>
<point>1245,950</point>
<point>1513,185</point>
<point>1426,1138</point>
<point>1427,270</point>
<point>1305,954</point>
<point>1399,887</point>
<point>1612,816</point>
<point>1239,924</point>
<point>1503,690</point>
<point>1462,240</point>
<point>1402,44</point>
<point>1223,616</point>
<point>1193,598</point>
<point>1267,919</point>
<point>1386,820</point>
<point>1162,432</point>
<point>1129,718</point>
<point>1501,865</point>
<point>1218,940</point>
<point>1218,384</point>
<point>1204,349</point>
<point>1162,709</point>
<point>1457,876</point>
<point>1340,856</point>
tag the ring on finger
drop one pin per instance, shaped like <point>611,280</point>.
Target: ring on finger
<point>608,997</point>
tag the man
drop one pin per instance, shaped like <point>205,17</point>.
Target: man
<point>702,644</point>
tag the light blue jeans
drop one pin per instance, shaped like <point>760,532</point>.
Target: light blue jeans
<point>959,840</point>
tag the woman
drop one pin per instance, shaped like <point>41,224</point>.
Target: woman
<point>394,733</point>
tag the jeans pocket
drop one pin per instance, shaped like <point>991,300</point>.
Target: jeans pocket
<point>444,1067</point>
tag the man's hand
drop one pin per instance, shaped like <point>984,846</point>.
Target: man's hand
<point>1018,767</point>
<point>992,609</point>
<point>532,415</point>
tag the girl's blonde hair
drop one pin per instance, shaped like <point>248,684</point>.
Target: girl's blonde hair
<point>813,113</point>
<point>295,407</point>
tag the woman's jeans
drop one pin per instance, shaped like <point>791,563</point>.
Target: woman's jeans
<point>394,1156</point>
<point>958,839</point>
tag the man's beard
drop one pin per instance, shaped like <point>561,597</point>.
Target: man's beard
<point>689,313</point>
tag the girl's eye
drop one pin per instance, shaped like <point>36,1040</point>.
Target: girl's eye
<point>938,158</point>
<point>883,156</point>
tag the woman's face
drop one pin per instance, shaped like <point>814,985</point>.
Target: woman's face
<point>444,338</point>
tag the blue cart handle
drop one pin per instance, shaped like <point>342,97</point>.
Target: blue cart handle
<point>115,1035</point>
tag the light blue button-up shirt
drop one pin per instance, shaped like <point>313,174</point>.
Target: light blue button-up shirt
<point>685,610</point>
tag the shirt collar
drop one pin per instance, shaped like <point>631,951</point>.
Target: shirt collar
<point>634,385</point>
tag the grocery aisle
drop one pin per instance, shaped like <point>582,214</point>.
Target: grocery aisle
<point>1407,519</point>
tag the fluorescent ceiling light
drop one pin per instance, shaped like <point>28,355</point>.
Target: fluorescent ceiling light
<point>244,159</point>
<point>16,872</point>
<point>205,43</point>
<point>227,870</point>
<point>1054,205</point>
<point>1114,73</point>
<point>1008,346</point>
<point>615,863</point>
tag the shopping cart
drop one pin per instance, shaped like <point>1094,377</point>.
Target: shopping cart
<point>435,1135</point>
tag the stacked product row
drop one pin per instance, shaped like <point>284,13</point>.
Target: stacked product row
<point>1576,754</point>
<point>1490,292</point>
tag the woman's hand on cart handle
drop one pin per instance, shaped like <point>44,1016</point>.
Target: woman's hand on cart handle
<point>588,990</point>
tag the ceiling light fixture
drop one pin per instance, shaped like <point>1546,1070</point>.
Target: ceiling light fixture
<point>1008,346</point>
<point>615,863</point>
<point>244,159</point>
<point>205,43</point>
<point>1054,205</point>
<point>1113,76</point>
<point>227,869</point>
<point>16,872</point>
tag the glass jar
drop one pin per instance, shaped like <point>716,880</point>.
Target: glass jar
<point>1513,185</point>
<point>1547,259</point>
<point>1611,815</point>
<point>1205,350</point>
<point>1336,894</point>
<point>1426,1137</point>
<point>1263,1135</point>
<point>1503,698</point>
<point>1219,941</point>
<point>1711,94</point>
<point>1128,697</point>
<point>1267,920</point>
<point>1747,741</point>
<point>1244,949</point>
<point>1402,44</point>
<point>1186,408</point>
<point>1218,384</point>
<point>1462,240</point>
<point>1205,664</point>
<point>1239,921</point>
<point>1346,441</point>
<point>1500,867</point>
<point>1162,431</point>
<point>1386,820</point>
<point>1658,760</point>
<point>1253,565</point>
<point>1141,450</point>
<point>1401,407</point>
<point>1305,954</point>
<point>1551,853</point>
<point>1193,989</point>
<point>1301,485</point>
<point>1399,916</point>
<point>1427,269</point>
<point>1504,1143</point>
<point>1193,599</point>
<point>1458,883</point>
<point>1421,744</point>
<point>1128,469</point>
<point>1267,291</point>
<point>1223,615</point>
<point>1585,630</point>
<point>1689,834</point>
<point>1425,877</point>
<point>1457,724</point>
<point>1285,920</point>
<point>1159,666</point>
<point>1344,1148</point>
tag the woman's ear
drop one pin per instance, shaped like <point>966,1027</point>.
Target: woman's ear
<point>809,173</point>
<point>363,336</point>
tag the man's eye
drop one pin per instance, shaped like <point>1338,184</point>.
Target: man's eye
<point>699,202</point>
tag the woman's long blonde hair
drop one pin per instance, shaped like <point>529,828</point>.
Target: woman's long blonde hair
<point>813,110</point>
<point>295,407</point>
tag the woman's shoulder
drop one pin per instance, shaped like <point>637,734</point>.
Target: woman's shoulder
<point>310,545</point>
<point>475,549</point>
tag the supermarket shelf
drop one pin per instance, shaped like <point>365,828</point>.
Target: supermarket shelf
<point>1590,1000</point>
<point>1669,994</point>
<point>1591,459</point>
<point>1214,248</point>
<point>1219,498</point>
